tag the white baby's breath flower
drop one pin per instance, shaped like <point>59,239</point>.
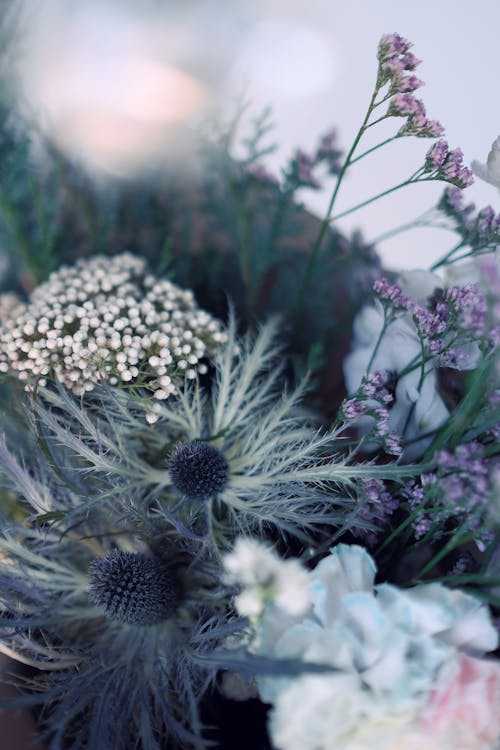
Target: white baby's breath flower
<point>106,320</point>
<point>490,172</point>
<point>266,578</point>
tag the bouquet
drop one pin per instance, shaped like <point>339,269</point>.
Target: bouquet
<point>250,480</point>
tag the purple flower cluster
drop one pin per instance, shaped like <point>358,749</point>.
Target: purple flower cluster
<point>443,164</point>
<point>377,506</point>
<point>478,230</point>
<point>458,492</point>
<point>468,305</point>
<point>329,153</point>
<point>417,123</point>
<point>395,61</point>
<point>260,173</point>
<point>300,171</point>
<point>371,400</point>
<point>392,296</point>
<point>448,325</point>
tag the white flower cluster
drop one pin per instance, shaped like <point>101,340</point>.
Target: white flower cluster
<point>10,305</point>
<point>107,319</point>
<point>265,577</point>
<point>387,647</point>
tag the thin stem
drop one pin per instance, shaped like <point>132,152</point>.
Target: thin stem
<point>444,260</point>
<point>313,257</point>
<point>420,221</point>
<point>374,148</point>
<point>410,181</point>
<point>379,341</point>
<point>379,119</point>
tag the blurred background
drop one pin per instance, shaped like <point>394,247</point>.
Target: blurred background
<point>124,86</point>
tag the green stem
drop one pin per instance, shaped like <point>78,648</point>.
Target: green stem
<point>379,119</point>
<point>410,181</point>
<point>444,260</point>
<point>379,341</point>
<point>420,221</point>
<point>313,257</point>
<point>373,148</point>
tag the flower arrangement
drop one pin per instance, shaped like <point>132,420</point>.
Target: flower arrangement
<point>243,468</point>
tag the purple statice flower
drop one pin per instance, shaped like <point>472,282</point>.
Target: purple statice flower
<point>478,230</point>
<point>417,123</point>
<point>260,173</point>
<point>377,506</point>
<point>436,156</point>
<point>443,164</point>
<point>404,105</point>
<point>328,152</point>
<point>371,400</point>
<point>408,84</point>
<point>391,295</point>
<point>452,325</point>
<point>392,45</point>
<point>469,307</point>
<point>449,324</point>
<point>410,61</point>
<point>457,492</point>
<point>395,61</point>
<point>414,493</point>
<point>300,172</point>
<point>452,202</point>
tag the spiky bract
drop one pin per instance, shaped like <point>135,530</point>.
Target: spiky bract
<point>197,469</point>
<point>133,588</point>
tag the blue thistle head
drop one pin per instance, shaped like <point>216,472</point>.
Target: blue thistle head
<point>198,469</point>
<point>133,588</point>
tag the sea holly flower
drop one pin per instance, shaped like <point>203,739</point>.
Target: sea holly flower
<point>238,459</point>
<point>490,172</point>
<point>133,588</point>
<point>107,320</point>
<point>121,646</point>
<point>198,470</point>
